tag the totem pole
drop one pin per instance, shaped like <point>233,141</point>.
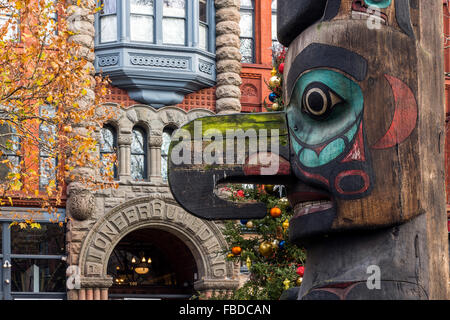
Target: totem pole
<point>360,148</point>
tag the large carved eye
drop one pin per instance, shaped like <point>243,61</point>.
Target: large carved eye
<point>318,100</point>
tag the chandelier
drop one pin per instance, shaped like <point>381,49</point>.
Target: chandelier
<point>143,267</point>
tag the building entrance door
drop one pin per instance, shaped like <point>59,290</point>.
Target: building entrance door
<point>152,264</point>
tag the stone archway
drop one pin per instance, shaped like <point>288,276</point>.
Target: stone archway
<point>203,238</point>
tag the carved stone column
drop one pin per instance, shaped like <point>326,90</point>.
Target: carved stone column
<point>124,142</point>
<point>228,56</point>
<point>154,144</point>
<point>209,287</point>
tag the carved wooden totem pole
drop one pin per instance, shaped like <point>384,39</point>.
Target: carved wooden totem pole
<point>360,148</point>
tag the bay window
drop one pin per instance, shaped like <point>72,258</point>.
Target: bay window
<point>157,50</point>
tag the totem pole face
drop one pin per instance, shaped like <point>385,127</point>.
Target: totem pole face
<point>352,116</point>
<point>348,143</point>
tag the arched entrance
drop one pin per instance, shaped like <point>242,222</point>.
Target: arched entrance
<point>203,239</point>
<point>152,263</point>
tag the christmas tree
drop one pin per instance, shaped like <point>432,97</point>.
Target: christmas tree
<point>262,248</point>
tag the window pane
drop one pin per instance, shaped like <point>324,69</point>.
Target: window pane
<point>109,6</point>
<point>107,140</point>
<point>141,6</point>
<point>203,37</point>
<point>246,24</point>
<point>137,144</point>
<point>247,3</point>
<point>274,4</point>
<point>38,275</point>
<point>203,16</point>
<point>108,28</point>
<point>274,26</point>
<point>174,8</point>
<point>247,50</point>
<point>173,31</point>
<point>1,237</point>
<point>138,167</point>
<point>141,28</point>
<point>49,240</point>
<point>47,171</point>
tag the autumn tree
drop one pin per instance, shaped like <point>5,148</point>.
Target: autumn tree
<point>46,131</point>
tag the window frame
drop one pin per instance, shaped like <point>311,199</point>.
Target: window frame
<point>113,130</point>
<point>142,130</point>
<point>165,156</point>
<point>252,38</point>
<point>101,15</point>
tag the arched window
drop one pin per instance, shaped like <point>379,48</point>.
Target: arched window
<point>47,161</point>
<point>166,137</point>
<point>139,154</point>
<point>247,31</point>
<point>108,147</point>
<point>10,148</point>
<point>108,21</point>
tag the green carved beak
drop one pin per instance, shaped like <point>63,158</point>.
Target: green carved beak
<point>236,148</point>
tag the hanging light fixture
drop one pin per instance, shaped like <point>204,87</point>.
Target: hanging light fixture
<point>143,266</point>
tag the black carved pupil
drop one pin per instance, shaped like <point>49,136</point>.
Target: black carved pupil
<point>315,102</point>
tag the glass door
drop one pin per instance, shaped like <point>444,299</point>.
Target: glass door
<point>1,261</point>
<point>5,263</point>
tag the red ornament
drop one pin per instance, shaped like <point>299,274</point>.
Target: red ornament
<point>301,271</point>
<point>240,194</point>
<point>281,68</point>
<point>448,225</point>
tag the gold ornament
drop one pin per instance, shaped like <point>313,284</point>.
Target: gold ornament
<point>286,284</point>
<point>285,224</point>
<point>273,72</point>
<point>275,107</point>
<point>274,82</point>
<point>248,262</point>
<point>299,281</point>
<point>249,224</point>
<point>269,187</point>
<point>266,248</point>
<point>230,255</point>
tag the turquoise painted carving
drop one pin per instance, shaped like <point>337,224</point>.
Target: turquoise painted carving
<point>382,4</point>
<point>323,115</point>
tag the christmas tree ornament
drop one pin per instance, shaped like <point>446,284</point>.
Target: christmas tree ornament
<point>249,225</point>
<point>281,68</point>
<point>276,107</point>
<point>274,82</point>
<point>286,283</point>
<point>272,97</point>
<point>275,244</point>
<point>265,248</point>
<point>244,222</point>
<point>273,72</point>
<point>236,250</point>
<point>299,281</point>
<point>230,255</point>
<point>248,262</point>
<point>281,244</point>
<point>269,188</point>
<point>275,212</point>
<point>285,224</point>
<point>300,271</point>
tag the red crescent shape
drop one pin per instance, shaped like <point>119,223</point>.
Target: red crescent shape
<point>405,115</point>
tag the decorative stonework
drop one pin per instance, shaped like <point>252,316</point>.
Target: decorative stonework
<point>203,238</point>
<point>205,67</point>
<point>106,61</point>
<point>228,57</point>
<point>158,61</point>
<point>81,203</point>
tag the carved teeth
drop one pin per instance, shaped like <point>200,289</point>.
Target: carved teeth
<point>307,207</point>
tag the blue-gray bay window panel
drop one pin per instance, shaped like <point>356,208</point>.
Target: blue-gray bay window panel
<point>157,50</point>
